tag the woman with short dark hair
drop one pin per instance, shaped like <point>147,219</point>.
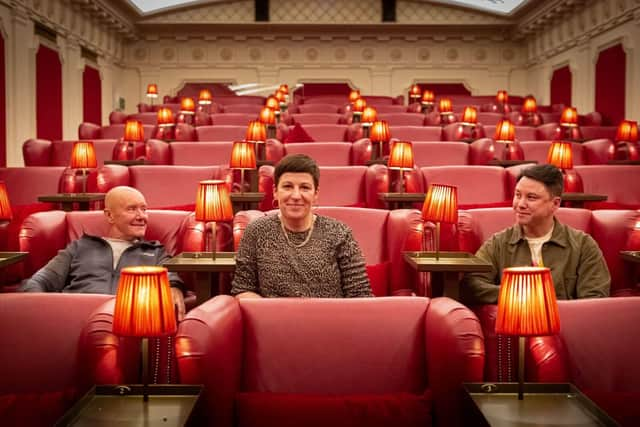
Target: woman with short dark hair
<point>296,253</point>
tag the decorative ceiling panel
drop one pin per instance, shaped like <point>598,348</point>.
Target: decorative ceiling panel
<point>325,11</point>
<point>227,12</point>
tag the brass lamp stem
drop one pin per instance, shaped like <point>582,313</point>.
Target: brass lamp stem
<point>213,239</point>
<point>145,369</point>
<point>84,180</point>
<point>241,181</point>
<point>438,240</point>
<point>521,367</point>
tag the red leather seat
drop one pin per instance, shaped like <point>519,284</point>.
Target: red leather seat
<point>594,350</point>
<point>44,366</point>
<point>611,229</point>
<point>404,366</point>
<point>253,108</point>
<point>315,118</point>
<point>402,119</point>
<point>383,236</point>
<point>325,154</point>
<point>233,119</point>
<point>42,152</point>
<point>227,133</point>
<point>163,186</point>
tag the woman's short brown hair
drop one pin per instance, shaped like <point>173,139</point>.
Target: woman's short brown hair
<point>297,163</point>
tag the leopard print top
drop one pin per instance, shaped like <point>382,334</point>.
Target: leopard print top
<point>329,265</point>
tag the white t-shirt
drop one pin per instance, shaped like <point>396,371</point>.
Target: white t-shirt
<point>535,246</point>
<point>118,246</point>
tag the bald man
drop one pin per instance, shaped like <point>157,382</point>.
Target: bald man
<point>92,264</point>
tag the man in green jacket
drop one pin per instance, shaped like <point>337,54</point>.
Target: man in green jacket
<point>576,262</point>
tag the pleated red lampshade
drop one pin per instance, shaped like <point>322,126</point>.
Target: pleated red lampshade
<point>441,204</point>
<point>213,202</point>
<point>272,103</point>
<point>505,132</point>
<point>280,96</point>
<point>144,306</point>
<point>133,131</point>
<point>469,116</point>
<point>369,115</point>
<point>165,117</point>
<point>428,97</point>
<point>401,156</point>
<point>205,97</point>
<point>83,155</point>
<point>243,155</point>
<point>354,95</point>
<point>569,117</point>
<point>5,205</point>
<point>380,131</point>
<point>267,116</point>
<point>529,105</point>
<point>152,90</point>
<point>284,89</point>
<point>560,155</point>
<point>187,106</point>
<point>502,97</point>
<point>256,132</point>
<point>444,106</point>
<point>627,131</point>
<point>359,105</point>
<point>527,303</point>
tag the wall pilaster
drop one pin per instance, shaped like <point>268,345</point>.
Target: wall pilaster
<point>72,87</point>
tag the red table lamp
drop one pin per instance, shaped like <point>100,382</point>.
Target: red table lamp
<point>401,158</point>
<point>627,140</point>
<point>152,92</point>
<point>83,157</point>
<point>440,205</point>
<point>213,204</point>
<point>5,206</point>
<point>561,156</point>
<point>354,95</point>
<point>526,307</point>
<point>144,308</point>
<point>506,134</point>
<point>379,134</point>
<point>369,116</point>
<point>358,108</point>
<point>446,111</point>
<point>165,124</point>
<point>415,93</point>
<point>187,110</point>
<point>428,98</point>
<point>257,134</point>
<point>268,118</point>
<point>243,157</point>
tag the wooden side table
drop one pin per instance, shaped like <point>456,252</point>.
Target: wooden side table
<point>577,200</point>
<point>125,162</point>
<point>245,201</point>
<point>401,200</point>
<point>67,200</point>
<point>10,258</point>
<point>445,271</point>
<point>206,269</point>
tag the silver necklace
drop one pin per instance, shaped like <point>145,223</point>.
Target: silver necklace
<point>305,241</point>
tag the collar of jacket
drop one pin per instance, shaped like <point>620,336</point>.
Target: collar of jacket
<point>137,243</point>
<point>558,236</point>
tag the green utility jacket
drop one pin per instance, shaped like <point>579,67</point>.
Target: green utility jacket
<point>576,262</point>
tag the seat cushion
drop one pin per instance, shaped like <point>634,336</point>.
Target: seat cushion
<point>311,410</point>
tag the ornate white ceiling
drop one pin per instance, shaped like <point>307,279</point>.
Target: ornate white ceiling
<point>499,7</point>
